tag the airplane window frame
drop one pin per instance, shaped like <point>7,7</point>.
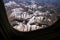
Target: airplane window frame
<point>7,27</point>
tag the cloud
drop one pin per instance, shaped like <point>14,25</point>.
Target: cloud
<point>11,3</point>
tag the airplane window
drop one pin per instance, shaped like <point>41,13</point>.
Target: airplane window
<point>31,15</point>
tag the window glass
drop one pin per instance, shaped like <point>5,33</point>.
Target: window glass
<point>30,15</point>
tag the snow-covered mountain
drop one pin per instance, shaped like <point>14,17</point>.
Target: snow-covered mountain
<point>31,14</point>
